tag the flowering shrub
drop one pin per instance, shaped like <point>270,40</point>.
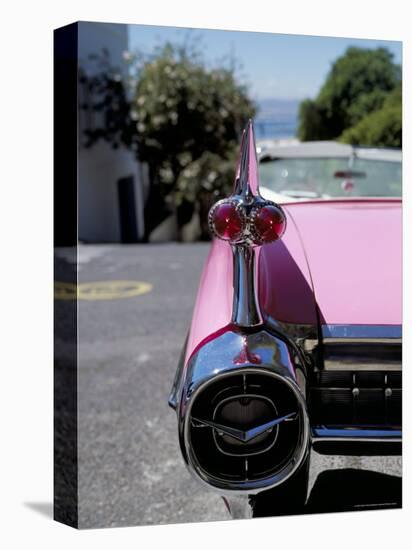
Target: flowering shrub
<point>183,118</point>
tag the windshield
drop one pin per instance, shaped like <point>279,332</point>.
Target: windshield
<point>331,177</point>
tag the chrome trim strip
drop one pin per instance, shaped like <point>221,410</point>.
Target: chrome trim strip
<point>355,365</point>
<point>353,340</point>
<point>347,434</point>
<point>357,440</point>
<point>172,401</point>
<point>362,331</point>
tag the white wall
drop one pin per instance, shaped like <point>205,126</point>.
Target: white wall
<point>100,167</point>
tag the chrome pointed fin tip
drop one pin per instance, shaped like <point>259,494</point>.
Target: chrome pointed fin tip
<point>248,134</point>
<point>250,129</point>
<point>247,178</point>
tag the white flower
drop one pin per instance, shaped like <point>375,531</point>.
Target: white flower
<point>158,119</point>
<point>166,174</point>
<point>185,158</point>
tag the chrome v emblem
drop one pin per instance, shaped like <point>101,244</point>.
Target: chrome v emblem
<point>246,436</point>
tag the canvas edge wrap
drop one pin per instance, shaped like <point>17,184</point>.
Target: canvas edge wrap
<point>65,239</point>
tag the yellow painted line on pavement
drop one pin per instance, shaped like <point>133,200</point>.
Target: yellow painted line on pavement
<point>100,290</point>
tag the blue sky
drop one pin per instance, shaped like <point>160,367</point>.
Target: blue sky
<point>274,65</point>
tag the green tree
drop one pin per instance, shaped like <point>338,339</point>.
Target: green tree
<point>382,127</point>
<point>357,84</point>
<point>312,117</point>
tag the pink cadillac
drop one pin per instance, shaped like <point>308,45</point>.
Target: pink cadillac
<point>295,342</point>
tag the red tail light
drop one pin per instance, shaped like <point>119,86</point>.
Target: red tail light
<point>268,223</point>
<point>227,220</point>
<point>245,218</point>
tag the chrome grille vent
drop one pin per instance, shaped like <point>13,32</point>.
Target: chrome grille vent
<point>247,430</point>
<point>356,398</point>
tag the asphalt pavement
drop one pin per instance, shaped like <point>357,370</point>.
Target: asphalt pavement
<point>130,467</point>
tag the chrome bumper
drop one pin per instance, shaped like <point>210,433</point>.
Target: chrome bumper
<point>357,441</point>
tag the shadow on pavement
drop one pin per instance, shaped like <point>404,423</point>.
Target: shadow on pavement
<point>341,490</point>
<point>350,490</point>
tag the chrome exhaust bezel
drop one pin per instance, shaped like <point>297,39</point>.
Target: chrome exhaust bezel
<point>246,486</point>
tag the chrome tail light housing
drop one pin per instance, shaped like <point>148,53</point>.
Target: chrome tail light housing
<point>246,218</point>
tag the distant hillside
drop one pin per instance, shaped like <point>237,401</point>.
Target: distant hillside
<point>276,118</point>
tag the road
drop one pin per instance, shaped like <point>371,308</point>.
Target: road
<point>130,468</point>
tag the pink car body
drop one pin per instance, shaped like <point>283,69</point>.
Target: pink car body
<point>341,260</point>
<point>294,344</point>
